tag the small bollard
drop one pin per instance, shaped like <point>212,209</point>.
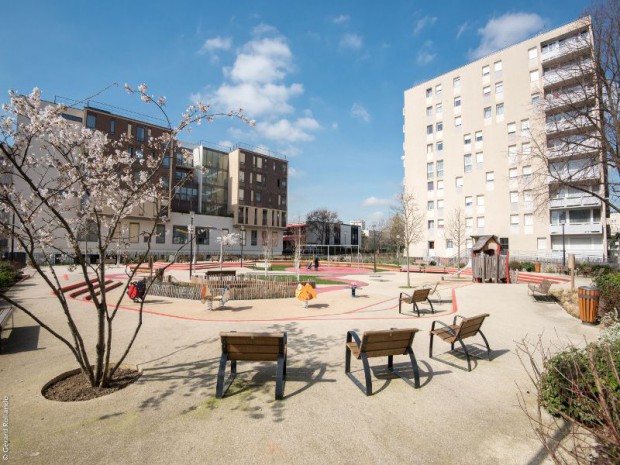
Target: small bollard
<point>353,290</point>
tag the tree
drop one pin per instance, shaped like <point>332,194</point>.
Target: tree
<point>574,143</point>
<point>318,223</point>
<point>393,232</point>
<point>57,177</point>
<point>412,220</point>
<point>269,239</point>
<point>456,231</point>
<point>226,240</point>
<point>297,244</point>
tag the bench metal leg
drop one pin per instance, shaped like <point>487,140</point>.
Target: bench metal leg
<point>414,364</point>
<point>466,354</point>
<point>487,344</point>
<point>430,347</point>
<point>431,304</point>
<point>415,306</point>
<point>280,377</point>
<point>367,374</point>
<point>391,362</point>
<point>221,373</point>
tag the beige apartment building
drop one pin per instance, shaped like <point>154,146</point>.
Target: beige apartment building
<point>469,136</point>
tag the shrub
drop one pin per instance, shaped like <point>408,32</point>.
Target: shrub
<point>8,274</point>
<point>432,263</point>
<point>462,264</point>
<point>609,284</point>
<point>528,266</point>
<point>515,265</point>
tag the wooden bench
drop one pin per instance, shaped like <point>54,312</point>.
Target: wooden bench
<point>468,327</point>
<point>5,314</point>
<point>381,344</point>
<point>542,288</point>
<point>221,273</point>
<point>418,296</point>
<point>260,347</point>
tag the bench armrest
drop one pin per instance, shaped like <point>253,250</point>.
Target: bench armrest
<point>407,296</point>
<point>457,316</point>
<point>352,335</point>
<point>443,324</point>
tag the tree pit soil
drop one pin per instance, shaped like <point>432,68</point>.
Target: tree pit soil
<point>76,387</point>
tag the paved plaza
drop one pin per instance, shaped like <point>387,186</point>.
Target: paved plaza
<point>171,414</point>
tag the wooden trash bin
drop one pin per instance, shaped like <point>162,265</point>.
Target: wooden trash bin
<point>588,303</point>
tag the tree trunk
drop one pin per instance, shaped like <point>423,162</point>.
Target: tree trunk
<point>408,280</point>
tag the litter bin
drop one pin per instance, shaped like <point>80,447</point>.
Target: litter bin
<point>537,267</point>
<point>588,303</point>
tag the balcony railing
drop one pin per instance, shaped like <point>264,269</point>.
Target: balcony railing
<point>569,124</point>
<point>568,73</point>
<point>585,228</point>
<point>574,148</point>
<point>570,98</point>
<point>570,47</point>
<point>577,201</point>
<point>576,174</point>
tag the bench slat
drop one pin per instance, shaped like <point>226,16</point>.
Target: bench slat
<point>385,352</point>
<point>402,345</point>
<point>254,357</point>
<point>252,349</point>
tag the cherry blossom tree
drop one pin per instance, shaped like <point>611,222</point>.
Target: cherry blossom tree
<point>60,180</point>
<point>227,240</point>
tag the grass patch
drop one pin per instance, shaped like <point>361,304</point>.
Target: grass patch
<point>291,278</point>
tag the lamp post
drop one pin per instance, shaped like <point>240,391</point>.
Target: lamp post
<point>242,243</point>
<point>190,231</point>
<point>374,248</point>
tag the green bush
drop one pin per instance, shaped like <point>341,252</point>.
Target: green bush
<point>528,266</point>
<point>432,263</point>
<point>609,285</point>
<point>568,383</point>
<point>8,274</point>
<point>515,265</point>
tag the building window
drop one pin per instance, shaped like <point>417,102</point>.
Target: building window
<point>241,195</point>
<point>429,92</point>
<point>430,205</point>
<point>179,234</point>
<point>512,173</point>
<point>429,129</point>
<point>258,196</point>
<point>429,111</point>
<point>528,219</point>
<point>479,157</point>
<point>439,126</point>
<point>499,109</point>
<point>430,185</point>
<point>439,109</point>
<point>532,53</point>
<point>486,91</point>
<point>440,168</point>
<point>469,223</point>
<point>486,70</point>
<point>459,181</point>
<point>458,122</point>
<point>440,186</point>
<point>487,113</point>
<point>527,171</point>
<point>467,139</point>
<point>430,174</point>
<point>253,237</point>
<point>480,200</point>
<point>490,180</point>
<point>541,243</point>
<point>514,220</point>
<point>440,205</point>
<point>478,136</point>
<point>91,121</point>
<point>431,224</point>
<point>526,148</point>
<point>160,234</point>
<point>440,223</point>
<point>429,148</point>
<point>512,128</point>
<point>264,217</point>
<point>499,88</point>
<point>140,133</point>
<point>440,146</point>
<point>512,154</point>
<point>457,101</point>
<point>438,90</point>
<point>449,244</point>
<point>535,100</point>
<point>525,126</point>
<point>514,197</point>
<point>534,76</point>
<point>469,201</point>
<point>480,221</point>
<point>467,163</point>
<point>112,126</point>
<point>497,66</point>
<point>202,236</point>
<point>456,82</point>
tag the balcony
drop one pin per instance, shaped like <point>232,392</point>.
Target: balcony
<point>576,123</point>
<point>568,99</point>
<point>567,74</point>
<point>570,48</point>
<point>575,201</point>
<point>586,228</point>
<point>573,174</point>
<point>574,149</point>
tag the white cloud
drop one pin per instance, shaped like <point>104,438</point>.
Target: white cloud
<point>424,22</point>
<point>294,173</point>
<point>376,202</point>
<point>462,28</point>
<point>351,41</point>
<point>263,60</point>
<point>425,53</point>
<point>335,125</point>
<point>359,112</point>
<point>340,19</point>
<point>289,131</point>
<point>264,29</point>
<point>376,217</point>
<point>216,43</point>
<point>505,30</point>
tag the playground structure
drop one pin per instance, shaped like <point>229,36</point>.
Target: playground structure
<point>488,265</point>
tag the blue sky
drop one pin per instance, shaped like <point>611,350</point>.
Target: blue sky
<point>324,81</point>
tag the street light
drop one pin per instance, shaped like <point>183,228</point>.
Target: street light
<point>374,248</point>
<point>190,231</point>
<point>242,243</point>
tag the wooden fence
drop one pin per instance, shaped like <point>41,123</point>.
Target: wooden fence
<point>489,268</point>
<point>240,288</point>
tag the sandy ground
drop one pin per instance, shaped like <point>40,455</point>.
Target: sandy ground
<point>171,415</point>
